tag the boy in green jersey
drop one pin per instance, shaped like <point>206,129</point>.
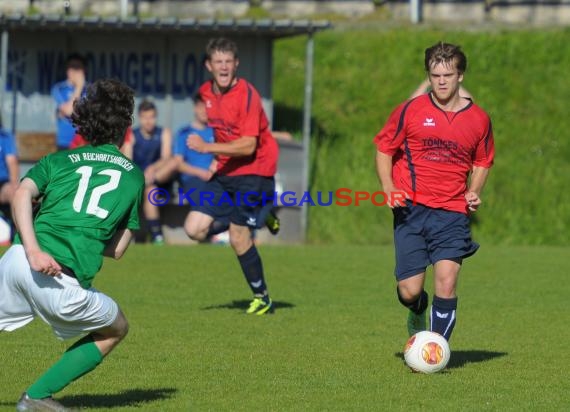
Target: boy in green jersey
<point>91,196</point>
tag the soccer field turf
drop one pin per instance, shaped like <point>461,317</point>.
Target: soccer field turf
<point>334,343</point>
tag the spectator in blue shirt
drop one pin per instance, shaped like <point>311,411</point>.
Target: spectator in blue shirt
<point>65,93</point>
<point>9,167</point>
<point>195,168</point>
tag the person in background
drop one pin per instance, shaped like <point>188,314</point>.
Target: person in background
<point>152,152</point>
<point>9,180</point>
<point>195,168</point>
<point>282,135</point>
<point>9,167</point>
<point>65,93</point>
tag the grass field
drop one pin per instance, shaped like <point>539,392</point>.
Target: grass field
<point>334,343</point>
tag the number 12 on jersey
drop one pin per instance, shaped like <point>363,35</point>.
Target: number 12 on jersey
<point>93,207</point>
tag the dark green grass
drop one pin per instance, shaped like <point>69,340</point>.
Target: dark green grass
<point>333,345</point>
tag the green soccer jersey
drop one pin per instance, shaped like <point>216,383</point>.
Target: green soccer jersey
<point>89,193</point>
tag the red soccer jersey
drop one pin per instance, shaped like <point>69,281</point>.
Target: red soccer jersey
<point>434,151</point>
<point>236,113</point>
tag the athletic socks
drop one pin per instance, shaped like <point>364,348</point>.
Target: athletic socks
<point>155,228</point>
<point>443,316</point>
<point>252,269</point>
<point>442,312</point>
<point>419,305</point>
<point>81,358</point>
<point>218,226</point>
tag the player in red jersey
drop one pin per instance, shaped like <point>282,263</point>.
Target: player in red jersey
<point>438,149</point>
<point>246,155</point>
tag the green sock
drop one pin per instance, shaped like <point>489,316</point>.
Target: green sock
<point>82,357</point>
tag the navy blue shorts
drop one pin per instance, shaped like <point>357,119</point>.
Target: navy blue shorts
<point>191,186</point>
<point>424,236</point>
<point>244,200</point>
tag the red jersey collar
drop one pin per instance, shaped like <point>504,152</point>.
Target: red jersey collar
<point>457,112</point>
<point>238,80</point>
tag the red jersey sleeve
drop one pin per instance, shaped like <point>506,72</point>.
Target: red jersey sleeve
<point>392,135</point>
<point>250,123</point>
<point>485,152</point>
<point>128,135</point>
<point>77,141</point>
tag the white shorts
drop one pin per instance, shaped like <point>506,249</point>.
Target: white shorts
<point>60,301</point>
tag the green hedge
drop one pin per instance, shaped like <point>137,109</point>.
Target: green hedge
<point>520,78</point>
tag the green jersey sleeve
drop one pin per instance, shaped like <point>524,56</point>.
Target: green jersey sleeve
<point>40,174</point>
<point>133,221</point>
